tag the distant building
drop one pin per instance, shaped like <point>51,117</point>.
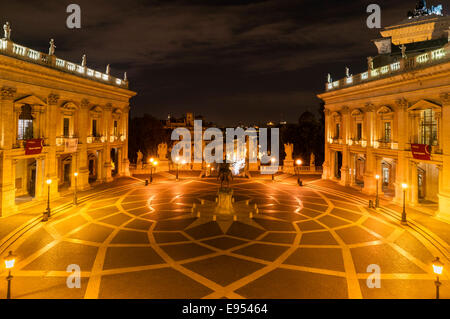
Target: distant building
<point>57,118</point>
<point>393,120</point>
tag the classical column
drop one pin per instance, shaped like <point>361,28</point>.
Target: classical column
<point>444,172</point>
<point>107,176</point>
<point>326,166</point>
<point>82,152</point>
<point>346,134</point>
<point>40,178</point>
<point>369,174</point>
<point>51,160</point>
<point>353,167</point>
<point>125,160</point>
<point>7,167</point>
<point>345,171</point>
<point>413,187</point>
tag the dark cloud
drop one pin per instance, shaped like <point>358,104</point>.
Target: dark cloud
<point>225,59</point>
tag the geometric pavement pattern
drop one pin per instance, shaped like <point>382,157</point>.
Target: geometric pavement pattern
<point>137,242</point>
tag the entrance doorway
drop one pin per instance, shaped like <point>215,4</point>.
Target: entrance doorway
<point>338,164</point>
<point>421,181</point>
<point>32,180</point>
<point>25,180</point>
<point>114,161</point>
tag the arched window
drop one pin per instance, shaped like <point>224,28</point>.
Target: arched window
<point>25,125</point>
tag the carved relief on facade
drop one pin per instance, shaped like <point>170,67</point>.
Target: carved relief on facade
<point>96,111</point>
<point>52,99</point>
<point>401,104</point>
<point>84,104</point>
<point>445,98</point>
<point>369,107</point>
<point>8,93</point>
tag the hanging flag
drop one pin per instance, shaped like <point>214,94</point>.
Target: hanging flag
<point>34,146</point>
<point>421,151</point>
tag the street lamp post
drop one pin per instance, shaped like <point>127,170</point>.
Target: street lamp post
<point>47,212</point>
<point>404,187</point>
<point>377,199</point>
<point>9,264</point>
<point>273,173</point>
<point>154,163</point>
<point>75,199</point>
<point>297,171</point>
<point>438,267</point>
<point>177,160</point>
<point>150,162</point>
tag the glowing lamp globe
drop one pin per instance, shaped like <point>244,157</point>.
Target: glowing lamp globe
<point>299,162</point>
<point>10,260</point>
<point>404,186</point>
<point>75,174</point>
<point>49,181</point>
<point>438,266</point>
<point>377,176</point>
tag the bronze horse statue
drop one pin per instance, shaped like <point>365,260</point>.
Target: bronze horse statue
<point>224,174</point>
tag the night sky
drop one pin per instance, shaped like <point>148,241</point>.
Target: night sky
<point>228,60</point>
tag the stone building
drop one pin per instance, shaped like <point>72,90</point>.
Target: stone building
<point>57,118</point>
<point>393,120</point>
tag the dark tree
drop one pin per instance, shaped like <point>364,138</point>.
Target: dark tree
<point>145,133</point>
<point>307,137</point>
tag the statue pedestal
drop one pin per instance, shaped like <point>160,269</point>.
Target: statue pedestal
<point>288,167</point>
<point>163,165</point>
<point>197,166</point>
<point>225,201</point>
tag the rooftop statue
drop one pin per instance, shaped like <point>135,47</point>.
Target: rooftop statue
<point>329,78</point>
<point>370,63</point>
<point>7,31</point>
<point>403,48</point>
<point>51,49</point>
<point>107,69</point>
<point>83,60</point>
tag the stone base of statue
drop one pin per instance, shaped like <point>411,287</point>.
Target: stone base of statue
<point>196,166</point>
<point>163,165</point>
<point>288,167</point>
<point>224,201</point>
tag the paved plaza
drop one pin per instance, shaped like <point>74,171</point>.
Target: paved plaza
<point>137,241</point>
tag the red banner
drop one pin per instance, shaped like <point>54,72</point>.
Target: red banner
<point>34,146</point>
<point>421,151</point>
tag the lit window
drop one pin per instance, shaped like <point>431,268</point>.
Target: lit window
<point>25,125</point>
<point>387,132</point>
<point>94,128</point>
<point>358,131</point>
<point>428,127</point>
<point>66,124</point>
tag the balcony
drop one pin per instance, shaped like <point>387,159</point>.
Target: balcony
<point>96,139</point>
<point>60,140</point>
<point>9,48</point>
<point>404,65</point>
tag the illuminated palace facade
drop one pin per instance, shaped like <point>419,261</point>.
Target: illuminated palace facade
<point>57,118</point>
<point>393,120</point>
